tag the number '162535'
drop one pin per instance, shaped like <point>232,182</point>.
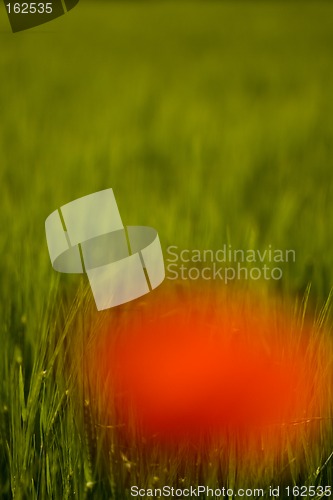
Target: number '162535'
<point>29,8</point>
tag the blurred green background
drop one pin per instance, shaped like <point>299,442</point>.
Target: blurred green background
<point>212,122</point>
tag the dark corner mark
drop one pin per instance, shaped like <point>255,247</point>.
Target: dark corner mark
<point>25,15</point>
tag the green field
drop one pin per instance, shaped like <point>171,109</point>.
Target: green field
<point>212,122</point>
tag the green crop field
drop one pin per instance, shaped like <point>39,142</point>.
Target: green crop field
<point>213,123</point>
